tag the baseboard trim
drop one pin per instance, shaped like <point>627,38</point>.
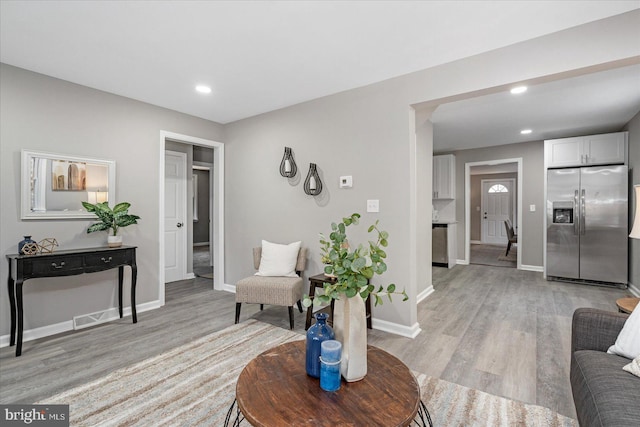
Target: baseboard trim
<point>67,325</point>
<point>424,294</point>
<point>229,288</point>
<point>201,244</point>
<point>462,262</point>
<point>395,328</point>
<point>190,276</point>
<point>475,242</point>
<point>536,268</point>
<point>634,290</point>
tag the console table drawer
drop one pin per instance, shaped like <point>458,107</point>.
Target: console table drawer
<point>107,260</point>
<point>53,266</point>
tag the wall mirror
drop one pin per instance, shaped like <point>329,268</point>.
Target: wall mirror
<point>54,185</point>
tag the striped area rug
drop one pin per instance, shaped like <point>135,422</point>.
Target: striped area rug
<point>194,385</point>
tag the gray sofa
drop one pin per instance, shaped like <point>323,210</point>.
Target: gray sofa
<point>604,394</point>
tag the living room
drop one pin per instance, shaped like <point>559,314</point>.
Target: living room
<point>366,132</point>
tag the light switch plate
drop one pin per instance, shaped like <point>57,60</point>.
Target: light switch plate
<point>373,205</point>
<point>532,208</point>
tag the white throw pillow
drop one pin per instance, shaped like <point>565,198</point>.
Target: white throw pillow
<point>628,342</point>
<point>279,260</point>
<point>633,367</point>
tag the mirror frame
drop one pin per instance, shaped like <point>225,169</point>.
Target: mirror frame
<point>25,185</point>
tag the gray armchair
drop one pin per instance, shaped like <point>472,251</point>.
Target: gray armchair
<point>285,291</point>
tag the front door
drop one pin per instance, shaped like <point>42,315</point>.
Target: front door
<point>175,214</point>
<point>497,206</point>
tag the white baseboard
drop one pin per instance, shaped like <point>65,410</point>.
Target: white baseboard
<point>634,290</point>
<point>201,244</point>
<point>462,262</point>
<point>475,242</point>
<point>229,288</point>
<point>537,268</point>
<point>394,328</point>
<point>424,294</point>
<point>48,330</point>
<point>190,276</point>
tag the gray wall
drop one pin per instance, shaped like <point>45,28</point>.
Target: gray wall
<point>201,227</point>
<point>475,196</point>
<point>634,164</point>
<point>531,229</point>
<point>366,132</point>
<point>47,114</point>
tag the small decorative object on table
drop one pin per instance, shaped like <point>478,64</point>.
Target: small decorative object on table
<point>112,219</point>
<point>353,269</point>
<point>47,245</point>
<point>27,241</point>
<point>330,358</point>
<point>316,335</point>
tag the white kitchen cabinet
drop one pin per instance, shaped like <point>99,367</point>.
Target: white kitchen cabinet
<point>609,148</point>
<point>444,177</point>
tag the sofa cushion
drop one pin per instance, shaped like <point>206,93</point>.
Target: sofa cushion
<point>603,393</point>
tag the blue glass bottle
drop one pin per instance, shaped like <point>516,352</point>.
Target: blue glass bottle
<point>317,333</point>
<point>27,239</point>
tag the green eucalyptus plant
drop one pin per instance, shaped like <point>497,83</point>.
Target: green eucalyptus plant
<point>353,268</point>
<point>113,219</point>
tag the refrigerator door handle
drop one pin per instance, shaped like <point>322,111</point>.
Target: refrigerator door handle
<point>583,225</point>
<point>576,218</point>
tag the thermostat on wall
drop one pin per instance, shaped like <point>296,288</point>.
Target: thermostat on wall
<point>346,181</point>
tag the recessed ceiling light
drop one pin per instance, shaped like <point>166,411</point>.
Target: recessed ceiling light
<point>518,89</point>
<point>525,131</point>
<point>203,89</point>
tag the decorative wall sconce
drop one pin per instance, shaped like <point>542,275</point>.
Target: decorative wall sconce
<point>288,167</point>
<point>312,185</point>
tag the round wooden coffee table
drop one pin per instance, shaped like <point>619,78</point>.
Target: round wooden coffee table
<point>626,305</point>
<point>275,390</point>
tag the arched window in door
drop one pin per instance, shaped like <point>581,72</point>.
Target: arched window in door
<point>498,188</point>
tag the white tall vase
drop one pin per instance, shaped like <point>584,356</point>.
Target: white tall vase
<point>350,327</point>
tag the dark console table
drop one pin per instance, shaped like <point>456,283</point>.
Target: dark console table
<point>66,263</point>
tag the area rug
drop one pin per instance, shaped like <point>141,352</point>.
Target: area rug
<point>194,385</point>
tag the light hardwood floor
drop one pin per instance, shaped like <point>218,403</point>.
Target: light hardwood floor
<point>500,330</point>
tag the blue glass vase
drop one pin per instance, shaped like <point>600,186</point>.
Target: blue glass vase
<point>27,239</point>
<point>317,333</point>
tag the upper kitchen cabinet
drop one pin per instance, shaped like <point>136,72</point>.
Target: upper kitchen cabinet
<point>444,177</point>
<point>609,148</point>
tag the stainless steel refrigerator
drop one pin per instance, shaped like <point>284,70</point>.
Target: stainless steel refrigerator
<point>587,225</point>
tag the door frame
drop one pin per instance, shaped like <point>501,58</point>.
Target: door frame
<point>513,200</point>
<point>209,168</point>
<point>467,203</point>
<point>185,201</point>
<point>217,230</point>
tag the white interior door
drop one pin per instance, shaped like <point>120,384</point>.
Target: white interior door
<point>175,214</point>
<point>497,206</point>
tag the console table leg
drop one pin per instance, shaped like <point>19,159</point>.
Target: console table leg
<point>120,280</point>
<point>134,277</point>
<point>12,303</point>
<point>20,317</point>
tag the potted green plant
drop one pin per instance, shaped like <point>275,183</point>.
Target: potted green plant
<point>111,219</point>
<point>352,269</point>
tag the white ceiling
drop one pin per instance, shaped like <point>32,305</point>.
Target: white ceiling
<point>590,104</point>
<point>259,56</point>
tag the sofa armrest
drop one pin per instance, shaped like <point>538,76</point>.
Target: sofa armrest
<point>594,329</point>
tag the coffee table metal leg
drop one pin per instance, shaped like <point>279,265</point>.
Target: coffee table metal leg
<point>423,419</point>
<point>237,420</point>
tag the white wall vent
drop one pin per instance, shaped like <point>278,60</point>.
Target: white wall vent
<point>91,319</point>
